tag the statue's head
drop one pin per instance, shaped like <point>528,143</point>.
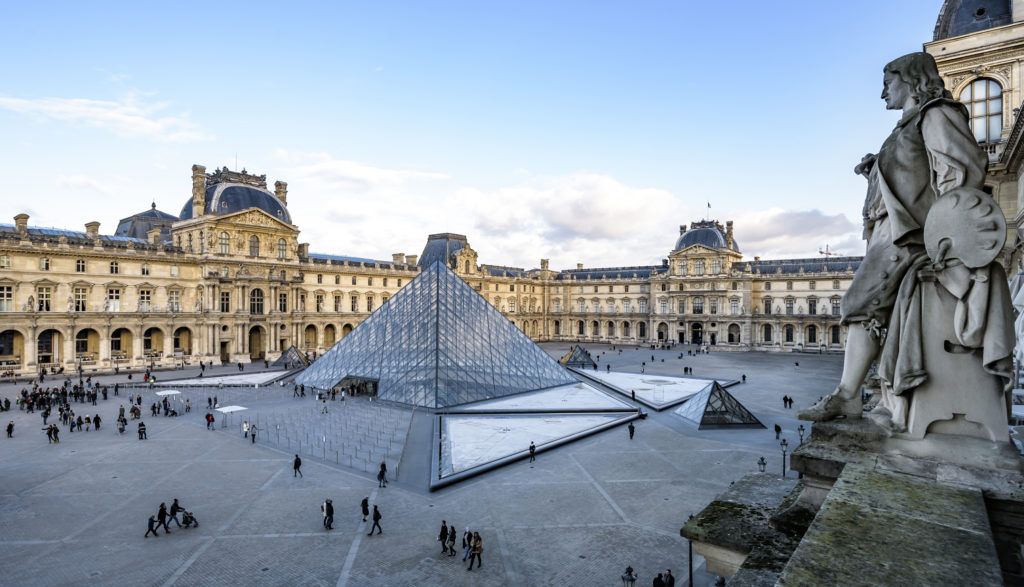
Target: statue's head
<point>919,72</point>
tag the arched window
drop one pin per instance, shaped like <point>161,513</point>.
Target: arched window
<point>579,328</point>
<point>467,266</point>
<point>812,334</point>
<point>835,335</point>
<point>256,301</point>
<point>642,330</point>
<point>788,332</point>
<point>282,250</point>
<point>984,100</point>
<point>767,332</point>
<point>223,243</point>
<point>558,328</point>
<point>254,246</point>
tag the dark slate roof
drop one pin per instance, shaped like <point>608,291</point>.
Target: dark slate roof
<point>499,271</point>
<point>139,224</point>
<point>347,260</point>
<point>228,198</point>
<point>961,17</point>
<point>793,266</point>
<point>640,272</point>
<point>442,247</point>
<point>53,234</point>
<point>708,233</point>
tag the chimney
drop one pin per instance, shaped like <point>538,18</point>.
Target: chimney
<point>728,233</point>
<point>21,224</point>
<point>153,236</point>
<point>757,258</point>
<point>198,191</point>
<point>92,229</point>
<point>579,266</point>
<point>682,228</point>
<point>396,258</point>
<point>544,264</point>
<point>303,250</point>
<point>281,191</point>
<point>664,262</point>
<point>411,259</point>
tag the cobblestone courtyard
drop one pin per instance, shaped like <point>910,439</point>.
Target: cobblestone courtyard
<point>74,513</point>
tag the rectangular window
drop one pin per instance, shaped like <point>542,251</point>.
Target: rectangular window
<point>369,302</point>
<point>625,288</point>
<point>835,284</point>
<point>145,268</point>
<point>768,306</point>
<point>337,303</point>
<point>698,305</point>
<point>789,285</point>
<point>813,284</point>
<point>319,277</point>
<point>225,301</point>
<point>114,299</point>
<point>768,286</point>
<point>713,303</point>
<point>369,281</point>
<point>734,307</point>
<point>43,299</point>
<point>80,299</point>
<point>789,307</point>
<point>282,302</point>
<point>80,266</point>
<point>174,270</point>
<point>511,305</point>
<point>6,298</point>
<point>399,283</point>
<point>353,280</point>
<point>735,286</point>
<point>5,261</point>
<point>625,306</point>
<point>835,307</point>
<point>44,263</point>
<point>113,268</point>
<point>145,300</point>
<point>558,306</point>
<point>682,306</point>
<point>582,306</point>
<point>319,302</point>
<point>812,306</point>
<point>337,280</point>
<point>354,303</point>
<point>664,307</point>
<point>174,301</point>
<point>643,306</point>
<point>385,282</point>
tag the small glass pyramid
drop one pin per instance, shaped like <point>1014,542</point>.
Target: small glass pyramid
<point>437,343</point>
<point>578,357</point>
<point>291,356</point>
<point>715,407</point>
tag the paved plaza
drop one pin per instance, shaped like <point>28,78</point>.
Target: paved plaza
<point>75,512</point>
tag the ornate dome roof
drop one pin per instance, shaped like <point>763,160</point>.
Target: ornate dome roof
<point>137,225</point>
<point>708,233</point>
<point>228,198</point>
<point>961,17</point>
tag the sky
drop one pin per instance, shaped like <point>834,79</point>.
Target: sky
<point>576,131</point>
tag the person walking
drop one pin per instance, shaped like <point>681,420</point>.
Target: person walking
<point>365,506</point>
<point>658,581</point>
<point>329,515</point>
<point>670,579</point>
<point>443,537</point>
<point>152,527</point>
<point>476,552</point>
<point>142,431</point>
<point>632,430</point>
<point>10,429</point>
<point>467,543</point>
<point>161,518</point>
<point>778,431</point>
<point>382,476</point>
<point>96,421</point>
<point>376,521</point>
<point>245,429</point>
<point>252,434</point>
<point>451,540</point>
<point>175,508</point>
<point>533,452</point>
<point>297,467</point>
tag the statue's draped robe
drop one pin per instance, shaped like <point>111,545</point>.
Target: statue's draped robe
<point>930,152</point>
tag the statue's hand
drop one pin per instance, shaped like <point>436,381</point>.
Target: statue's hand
<point>865,165</point>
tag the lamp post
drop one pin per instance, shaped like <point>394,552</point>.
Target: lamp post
<point>801,431</point>
<point>762,463</point>
<point>689,559</point>
<point>628,578</point>
<point>784,445</point>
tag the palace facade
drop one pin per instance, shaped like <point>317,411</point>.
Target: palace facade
<point>227,279</point>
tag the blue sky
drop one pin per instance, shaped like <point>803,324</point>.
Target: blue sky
<point>576,131</point>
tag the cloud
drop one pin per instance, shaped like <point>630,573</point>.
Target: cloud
<point>82,182</point>
<point>347,175</point>
<point>786,233</point>
<point>127,117</point>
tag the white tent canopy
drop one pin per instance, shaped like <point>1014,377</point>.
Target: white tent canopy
<point>229,409</point>
<point>169,392</point>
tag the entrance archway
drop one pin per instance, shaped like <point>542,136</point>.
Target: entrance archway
<point>257,337</point>
<point>330,336</point>
<point>12,349</point>
<point>734,334</point>
<point>697,334</point>
<point>183,341</point>
<point>48,347</point>
<point>87,344</point>
<point>309,336</point>
<point>153,342</point>
<point>345,330</point>
<point>662,331</point>
<point>121,345</point>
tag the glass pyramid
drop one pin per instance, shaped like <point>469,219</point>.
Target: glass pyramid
<point>714,407</point>
<point>291,356</point>
<point>578,357</point>
<point>438,343</point>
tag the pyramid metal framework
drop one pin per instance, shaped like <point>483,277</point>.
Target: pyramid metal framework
<point>714,407</point>
<point>578,357</point>
<point>438,343</point>
<point>293,356</point>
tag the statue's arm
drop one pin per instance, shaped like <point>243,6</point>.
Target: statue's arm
<point>953,154</point>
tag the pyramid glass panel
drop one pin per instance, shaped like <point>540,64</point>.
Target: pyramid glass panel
<point>292,357</point>
<point>438,343</point>
<point>715,407</point>
<point>578,357</point>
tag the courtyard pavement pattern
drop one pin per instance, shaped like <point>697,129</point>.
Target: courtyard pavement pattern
<point>75,513</point>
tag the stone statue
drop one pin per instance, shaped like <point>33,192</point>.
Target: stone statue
<point>928,302</point>
<point>31,305</point>
<point>71,304</point>
<point>106,304</point>
<point>199,304</point>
